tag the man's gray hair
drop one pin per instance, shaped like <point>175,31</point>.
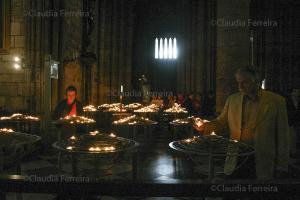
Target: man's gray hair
<point>249,70</point>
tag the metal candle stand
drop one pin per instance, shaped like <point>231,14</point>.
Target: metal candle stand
<point>209,146</point>
<point>96,155</point>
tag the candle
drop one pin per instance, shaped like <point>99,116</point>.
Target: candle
<point>213,133</point>
<point>72,137</point>
<point>6,130</point>
<point>176,109</point>
<point>19,116</point>
<point>94,132</point>
<point>121,88</point>
<point>89,108</point>
<point>69,148</point>
<point>112,135</point>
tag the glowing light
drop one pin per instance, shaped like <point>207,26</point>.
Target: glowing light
<point>72,137</point>
<point>19,116</point>
<point>181,121</point>
<point>133,119</point>
<point>213,133</point>
<point>165,48</point>
<point>98,149</point>
<point>150,108</point>
<point>175,49</point>
<point>161,49</point>
<point>69,148</point>
<point>77,120</point>
<point>263,84</point>
<point>112,135</point>
<point>166,52</point>
<point>89,108</point>
<point>176,109</point>
<point>170,48</point>
<point>156,48</point>
<point>125,120</point>
<point>94,132</point>
<point>17,59</point>
<point>133,105</point>
<point>188,140</point>
<point>17,66</point>
<point>6,130</point>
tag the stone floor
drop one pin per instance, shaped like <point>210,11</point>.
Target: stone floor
<point>156,161</point>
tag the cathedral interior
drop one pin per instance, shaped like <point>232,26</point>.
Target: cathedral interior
<point>149,99</point>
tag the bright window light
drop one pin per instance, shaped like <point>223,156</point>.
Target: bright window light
<point>165,48</point>
<point>161,49</point>
<point>175,49</point>
<point>156,48</point>
<point>170,49</point>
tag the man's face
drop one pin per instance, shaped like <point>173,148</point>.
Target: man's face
<point>246,84</point>
<point>71,95</point>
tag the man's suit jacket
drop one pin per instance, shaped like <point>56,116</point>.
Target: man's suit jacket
<point>271,133</point>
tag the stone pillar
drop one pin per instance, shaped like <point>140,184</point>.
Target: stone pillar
<point>232,45</point>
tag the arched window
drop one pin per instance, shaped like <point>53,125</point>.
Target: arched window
<point>165,48</point>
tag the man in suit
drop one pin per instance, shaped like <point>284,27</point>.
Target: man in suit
<point>258,118</point>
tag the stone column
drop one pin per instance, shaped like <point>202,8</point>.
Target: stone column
<point>232,45</point>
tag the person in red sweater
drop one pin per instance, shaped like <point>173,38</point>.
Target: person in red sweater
<point>69,106</point>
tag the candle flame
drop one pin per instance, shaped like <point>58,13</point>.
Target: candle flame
<point>98,149</point>
<point>7,130</point>
<point>73,137</point>
<point>94,132</point>
<point>112,135</point>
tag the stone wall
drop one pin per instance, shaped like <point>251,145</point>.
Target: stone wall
<point>13,88</point>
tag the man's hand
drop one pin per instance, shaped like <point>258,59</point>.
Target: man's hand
<point>207,127</point>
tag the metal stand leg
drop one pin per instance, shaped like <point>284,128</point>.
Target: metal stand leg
<point>175,162</point>
<point>134,132</point>
<point>74,165</point>
<point>134,165</point>
<point>146,136</point>
<point>2,196</point>
<point>96,165</point>
<point>59,157</point>
<point>19,196</point>
<point>191,130</point>
<point>211,166</point>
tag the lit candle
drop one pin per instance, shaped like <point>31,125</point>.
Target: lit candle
<point>6,130</point>
<point>188,140</point>
<point>112,135</point>
<point>72,137</point>
<point>121,88</point>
